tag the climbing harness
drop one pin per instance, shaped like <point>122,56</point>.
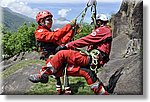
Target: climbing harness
<point>95,58</point>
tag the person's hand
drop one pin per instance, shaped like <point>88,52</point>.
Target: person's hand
<point>60,48</point>
<point>73,22</point>
<point>78,28</point>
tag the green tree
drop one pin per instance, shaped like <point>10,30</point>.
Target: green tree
<point>20,41</point>
<point>86,29</point>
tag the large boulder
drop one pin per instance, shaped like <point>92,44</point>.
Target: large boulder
<point>128,18</point>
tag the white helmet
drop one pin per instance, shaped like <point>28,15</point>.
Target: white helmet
<point>101,17</point>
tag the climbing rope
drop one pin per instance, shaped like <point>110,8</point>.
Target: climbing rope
<point>92,4</point>
<point>95,58</point>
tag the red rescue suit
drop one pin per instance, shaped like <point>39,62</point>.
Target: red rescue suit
<point>76,61</point>
<point>58,37</point>
<point>48,41</point>
<point>100,39</point>
<point>96,37</point>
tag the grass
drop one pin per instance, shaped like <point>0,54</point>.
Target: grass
<point>78,86</point>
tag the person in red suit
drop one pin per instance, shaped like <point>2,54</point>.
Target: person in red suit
<point>79,64</point>
<point>48,40</point>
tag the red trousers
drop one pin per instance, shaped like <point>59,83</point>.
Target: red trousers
<point>70,57</point>
<point>76,65</point>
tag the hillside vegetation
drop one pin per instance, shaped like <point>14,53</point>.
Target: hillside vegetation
<point>20,41</point>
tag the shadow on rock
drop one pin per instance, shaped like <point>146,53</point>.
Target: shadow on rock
<point>113,80</point>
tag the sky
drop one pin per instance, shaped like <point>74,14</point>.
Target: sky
<point>60,8</point>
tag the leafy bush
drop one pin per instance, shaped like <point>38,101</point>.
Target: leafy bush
<point>24,39</point>
<point>20,41</point>
<point>86,29</point>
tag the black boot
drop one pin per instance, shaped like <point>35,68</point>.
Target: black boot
<point>35,78</point>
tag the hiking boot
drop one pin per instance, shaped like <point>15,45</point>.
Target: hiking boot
<point>35,78</point>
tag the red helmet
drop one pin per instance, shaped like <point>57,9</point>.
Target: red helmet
<point>43,14</point>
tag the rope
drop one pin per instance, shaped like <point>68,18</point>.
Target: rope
<point>65,77</point>
<point>94,54</point>
<point>92,4</point>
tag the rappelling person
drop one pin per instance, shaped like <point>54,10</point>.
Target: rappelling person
<point>80,63</point>
<point>48,40</point>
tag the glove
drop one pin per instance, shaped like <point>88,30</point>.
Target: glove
<point>78,28</point>
<point>73,22</point>
<point>60,48</point>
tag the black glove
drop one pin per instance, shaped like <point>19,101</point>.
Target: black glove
<point>60,48</point>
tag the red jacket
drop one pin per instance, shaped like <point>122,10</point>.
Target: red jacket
<point>98,38</point>
<point>59,36</point>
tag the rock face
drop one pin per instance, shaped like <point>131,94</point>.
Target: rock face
<point>128,18</point>
<point>131,80</point>
<point>17,58</point>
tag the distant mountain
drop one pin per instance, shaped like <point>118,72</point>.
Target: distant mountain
<point>12,20</point>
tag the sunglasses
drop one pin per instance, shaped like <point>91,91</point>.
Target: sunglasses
<point>48,19</point>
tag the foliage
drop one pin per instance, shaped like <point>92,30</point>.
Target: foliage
<point>86,29</point>
<point>20,41</point>
<point>23,39</point>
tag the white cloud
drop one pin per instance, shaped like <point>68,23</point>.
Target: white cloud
<point>20,6</point>
<point>60,22</point>
<point>62,17</point>
<point>66,1</point>
<point>63,12</point>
